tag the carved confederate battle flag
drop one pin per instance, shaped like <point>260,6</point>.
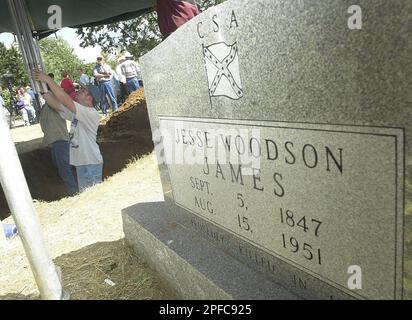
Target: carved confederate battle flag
<point>222,65</point>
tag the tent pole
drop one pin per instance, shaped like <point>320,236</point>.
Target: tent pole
<point>17,27</point>
<point>17,192</point>
<point>28,44</point>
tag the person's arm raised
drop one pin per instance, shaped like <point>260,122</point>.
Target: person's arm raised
<point>52,102</point>
<point>58,92</point>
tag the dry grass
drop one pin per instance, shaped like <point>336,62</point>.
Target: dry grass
<point>86,270</point>
<point>84,236</point>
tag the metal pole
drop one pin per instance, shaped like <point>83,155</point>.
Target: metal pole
<point>21,39</point>
<point>28,44</point>
<point>32,47</point>
<point>18,195</point>
<point>21,205</point>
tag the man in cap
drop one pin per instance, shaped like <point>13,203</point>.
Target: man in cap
<point>122,79</point>
<point>130,71</point>
<point>84,151</point>
<point>103,74</point>
<point>56,138</point>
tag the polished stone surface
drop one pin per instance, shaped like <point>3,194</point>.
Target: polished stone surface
<point>324,113</point>
<point>187,264</point>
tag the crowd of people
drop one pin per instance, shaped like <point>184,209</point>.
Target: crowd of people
<point>75,152</point>
<point>108,87</point>
<point>76,148</point>
<point>79,103</point>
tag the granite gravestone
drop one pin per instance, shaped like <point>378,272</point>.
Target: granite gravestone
<point>282,131</point>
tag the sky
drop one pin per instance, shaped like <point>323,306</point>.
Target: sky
<point>88,54</point>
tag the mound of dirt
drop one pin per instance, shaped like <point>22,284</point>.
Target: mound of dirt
<point>125,134</point>
<point>122,136</point>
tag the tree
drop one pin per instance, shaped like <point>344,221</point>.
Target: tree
<point>58,56</point>
<point>11,62</point>
<point>138,36</point>
<point>5,94</point>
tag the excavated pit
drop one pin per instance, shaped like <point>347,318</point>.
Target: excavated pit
<point>121,137</point>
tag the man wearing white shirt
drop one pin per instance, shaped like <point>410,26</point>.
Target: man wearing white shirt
<point>84,151</point>
<point>103,73</point>
<point>130,71</point>
<point>122,79</point>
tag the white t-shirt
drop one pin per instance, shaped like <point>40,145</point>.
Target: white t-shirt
<point>120,75</point>
<point>130,69</point>
<point>84,149</point>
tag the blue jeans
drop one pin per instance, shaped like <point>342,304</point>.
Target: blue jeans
<point>132,84</point>
<point>89,175</point>
<point>106,88</point>
<point>60,152</point>
<point>31,113</point>
<point>95,92</point>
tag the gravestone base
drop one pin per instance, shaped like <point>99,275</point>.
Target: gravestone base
<point>189,265</point>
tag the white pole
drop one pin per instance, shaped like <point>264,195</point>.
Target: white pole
<point>21,205</point>
<point>14,183</point>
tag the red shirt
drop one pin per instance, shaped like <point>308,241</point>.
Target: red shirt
<point>67,85</point>
<point>171,14</point>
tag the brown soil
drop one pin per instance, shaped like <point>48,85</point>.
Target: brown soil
<point>121,136</point>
